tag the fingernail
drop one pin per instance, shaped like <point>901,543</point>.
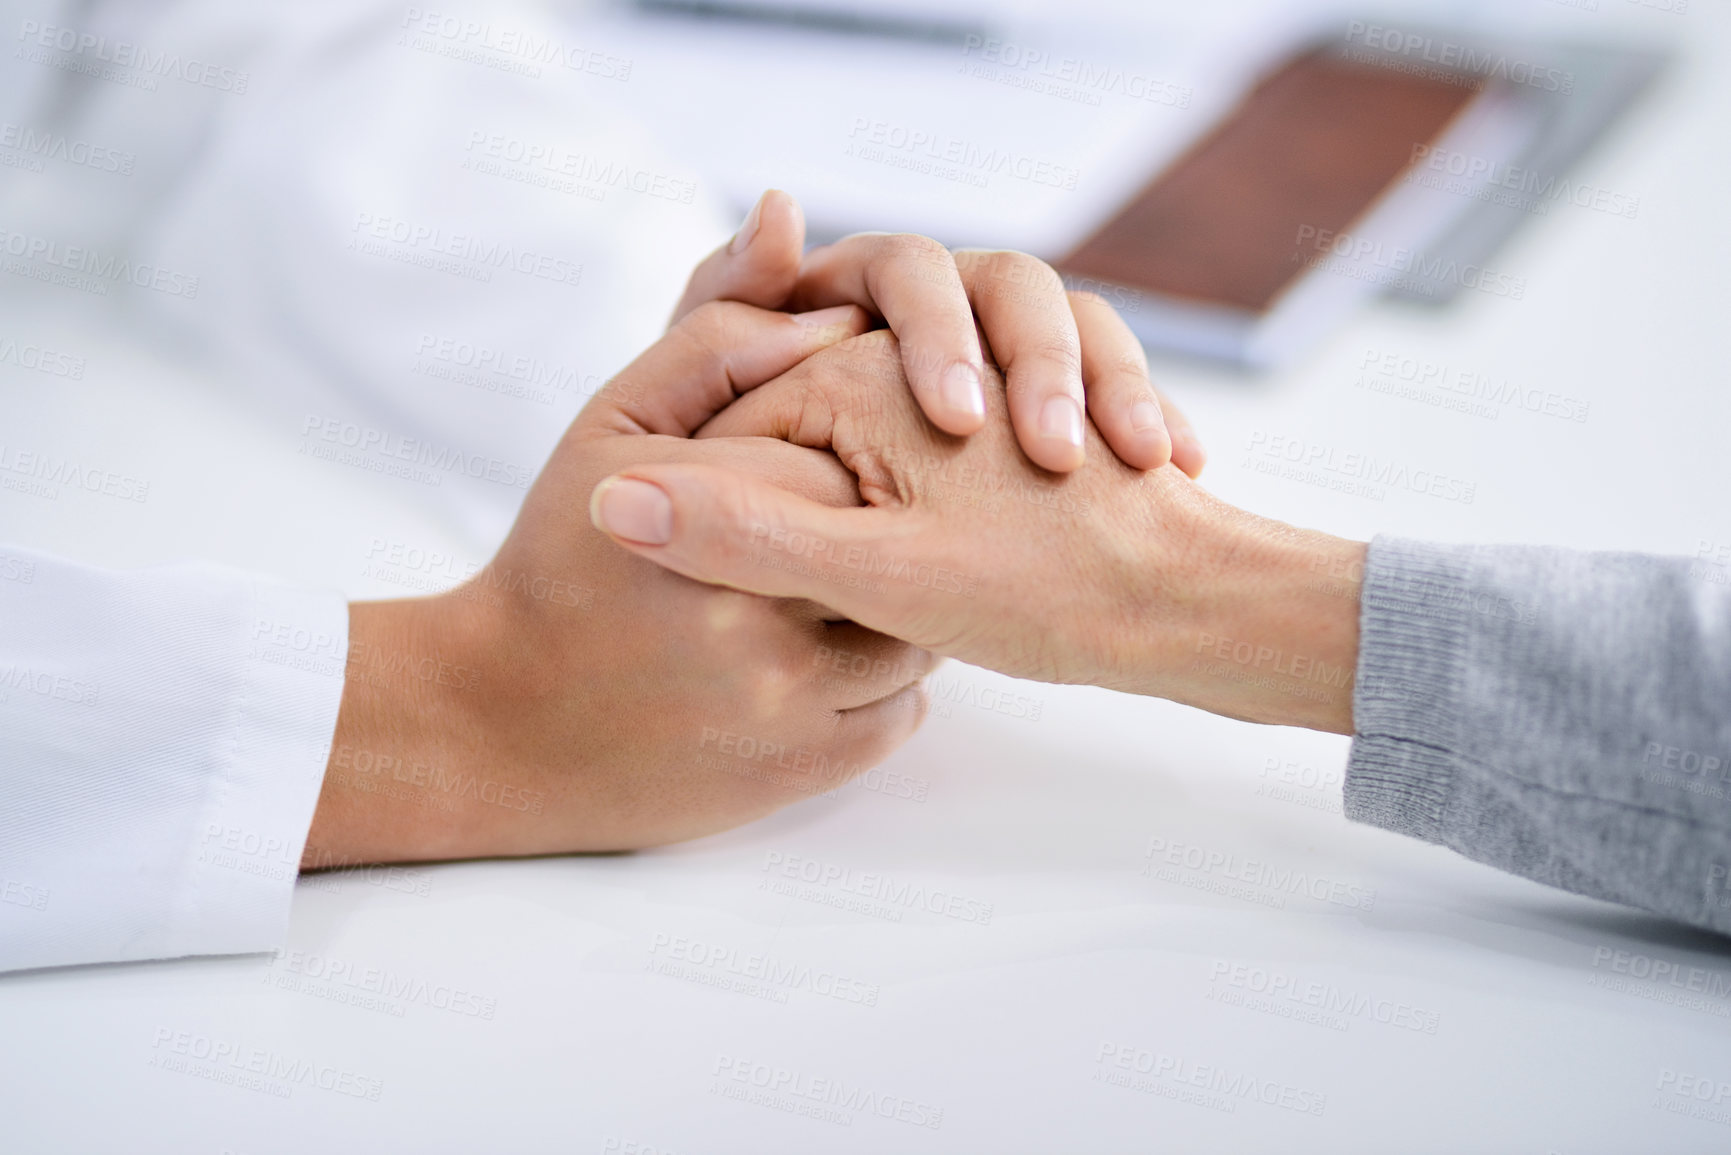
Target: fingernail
<point>1061,419</point>
<point>634,510</point>
<point>961,390</point>
<point>747,231</point>
<point>1144,415</point>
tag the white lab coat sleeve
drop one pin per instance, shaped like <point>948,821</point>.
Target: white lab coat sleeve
<point>163,737</point>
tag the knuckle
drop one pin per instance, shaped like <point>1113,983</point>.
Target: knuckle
<point>1030,271</point>
<point>1061,352</point>
<point>848,325</point>
<point>918,244</point>
<point>782,671</point>
<point>708,332</point>
<point>896,718</point>
<point>873,357</point>
<point>731,532</point>
<point>1135,367</point>
<point>971,261</point>
<point>918,249</point>
<point>873,342</point>
<point>1035,268</point>
<point>1016,277</point>
<point>710,317</point>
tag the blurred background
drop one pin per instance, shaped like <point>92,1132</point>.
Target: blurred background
<point>324,206</point>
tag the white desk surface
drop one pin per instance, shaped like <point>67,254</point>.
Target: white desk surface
<point>1461,1010</point>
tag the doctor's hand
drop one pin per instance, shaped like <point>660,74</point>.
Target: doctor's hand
<point>575,697</point>
<point>1063,353</point>
<point>1138,581</point>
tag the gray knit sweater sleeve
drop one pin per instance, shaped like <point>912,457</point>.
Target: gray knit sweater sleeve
<point>1564,716</point>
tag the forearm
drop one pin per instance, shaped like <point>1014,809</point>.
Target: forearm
<point>1261,625</point>
<point>411,695</point>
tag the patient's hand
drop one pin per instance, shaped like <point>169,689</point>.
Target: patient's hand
<point>1060,351</point>
<point>1107,575</point>
<point>576,697</point>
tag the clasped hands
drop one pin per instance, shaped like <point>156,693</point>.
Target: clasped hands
<point>852,502</point>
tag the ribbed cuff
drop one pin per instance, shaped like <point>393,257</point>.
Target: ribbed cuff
<point>1413,635</point>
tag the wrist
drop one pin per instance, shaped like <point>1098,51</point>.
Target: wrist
<point>409,713</point>
<point>1267,629</point>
